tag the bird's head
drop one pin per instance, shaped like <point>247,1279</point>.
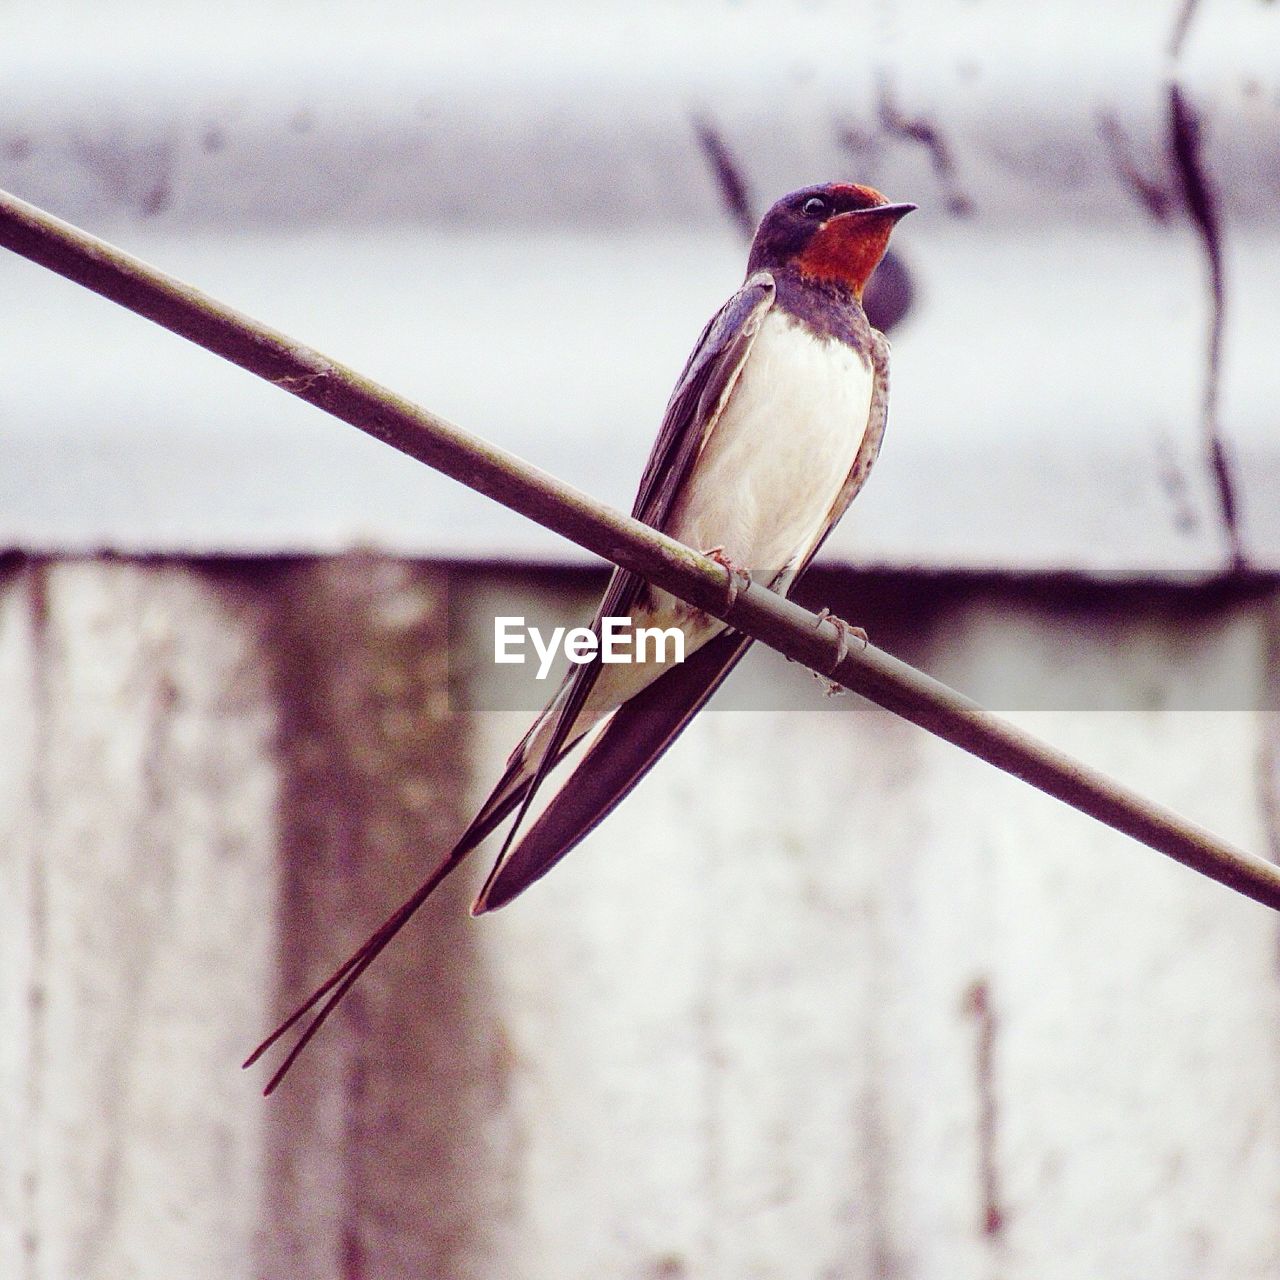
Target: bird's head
<point>833,234</point>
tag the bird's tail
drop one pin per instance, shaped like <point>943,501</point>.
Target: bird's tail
<point>509,792</point>
<point>631,742</point>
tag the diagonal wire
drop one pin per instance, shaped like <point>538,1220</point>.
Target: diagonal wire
<point>781,624</point>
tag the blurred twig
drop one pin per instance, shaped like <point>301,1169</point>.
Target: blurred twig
<point>779,623</point>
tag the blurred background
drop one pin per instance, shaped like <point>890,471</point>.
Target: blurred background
<point>825,998</point>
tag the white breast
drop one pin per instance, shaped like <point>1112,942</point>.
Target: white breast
<point>774,465</point>
<point>765,482</point>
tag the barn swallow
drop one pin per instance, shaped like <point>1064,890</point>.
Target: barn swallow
<point>769,434</point>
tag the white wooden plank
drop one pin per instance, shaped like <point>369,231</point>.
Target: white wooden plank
<point>149,813</point>
<point>390,1148</point>
<point>23,939</point>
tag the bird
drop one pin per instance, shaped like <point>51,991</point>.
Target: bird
<point>769,434</point>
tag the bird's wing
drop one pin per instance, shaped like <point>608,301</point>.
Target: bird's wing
<point>700,394</point>
<point>642,729</point>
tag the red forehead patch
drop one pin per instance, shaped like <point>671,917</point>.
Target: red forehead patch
<point>853,192</point>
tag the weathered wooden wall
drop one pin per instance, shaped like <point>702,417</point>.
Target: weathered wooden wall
<point>824,999</point>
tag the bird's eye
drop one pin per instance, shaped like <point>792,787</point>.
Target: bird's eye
<point>815,207</point>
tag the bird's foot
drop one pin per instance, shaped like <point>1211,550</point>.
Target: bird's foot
<point>736,576</point>
<point>844,631</point>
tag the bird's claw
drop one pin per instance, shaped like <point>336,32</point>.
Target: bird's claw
<point>736,576</point>
<point>843,632</point>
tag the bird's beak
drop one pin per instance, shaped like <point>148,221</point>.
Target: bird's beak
<point>894,211</point>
